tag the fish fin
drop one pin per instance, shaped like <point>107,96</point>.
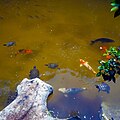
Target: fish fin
<point>81,65</point>
<point>4,44</point>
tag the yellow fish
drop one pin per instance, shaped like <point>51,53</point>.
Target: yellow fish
<point>85,63</point>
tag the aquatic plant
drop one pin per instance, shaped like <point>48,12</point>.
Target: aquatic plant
<point>111,66</point>
<point>115,7</point>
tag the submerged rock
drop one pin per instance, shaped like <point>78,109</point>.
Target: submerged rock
<point>110,111</point>
<point>30,103</point>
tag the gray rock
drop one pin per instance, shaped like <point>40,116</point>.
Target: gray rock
<point>30,103</point>
<point>110,111</point>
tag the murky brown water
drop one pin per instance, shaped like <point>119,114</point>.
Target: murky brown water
<point>57,31</point>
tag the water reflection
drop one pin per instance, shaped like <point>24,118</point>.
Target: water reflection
<point>57,31</point>
<point>65,107</point>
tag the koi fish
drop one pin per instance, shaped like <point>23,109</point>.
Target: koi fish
<point>102,40</point>
<point>24,51</point>
<point>85,63</point>
<point>71,90</point>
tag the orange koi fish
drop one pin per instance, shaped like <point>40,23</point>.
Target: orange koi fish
<point>24,51</point>
<point>85,63</point>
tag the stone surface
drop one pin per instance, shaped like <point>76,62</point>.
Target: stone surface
<point>30,103</point>
<point>110,111</point>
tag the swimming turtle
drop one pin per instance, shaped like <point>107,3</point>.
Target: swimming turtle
<point>52,65</point>
<point>9,44</point>
<point>103,87</point>
<point>34,73</point>
<point>71,90</point>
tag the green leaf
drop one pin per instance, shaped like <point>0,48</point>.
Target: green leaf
<point>114,8</point>
<point>113,4</point>
<point>100,68</point>
<point>98,74</point>
<point>105,54</point>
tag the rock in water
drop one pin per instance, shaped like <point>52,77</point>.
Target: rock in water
<point>103,87</point>
<point>30,103</point>
<point>34,73</point>
<point>110,111</point>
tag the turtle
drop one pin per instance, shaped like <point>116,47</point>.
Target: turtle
<point>9,44</point>
<point>52,65</point>
<point>34,73</point>
<point>103,87</point>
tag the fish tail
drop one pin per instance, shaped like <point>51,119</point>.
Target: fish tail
<point>92,42</point>
<point>93,71</point>
<point>90,68</point>
<point>81,65</point>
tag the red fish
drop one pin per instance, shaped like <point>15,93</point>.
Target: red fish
<point>24,51</point>
<point>85,63</point>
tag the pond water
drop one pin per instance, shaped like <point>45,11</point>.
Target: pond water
<point>58,31</point>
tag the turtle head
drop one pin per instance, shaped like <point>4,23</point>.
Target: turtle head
<point>34,67</point>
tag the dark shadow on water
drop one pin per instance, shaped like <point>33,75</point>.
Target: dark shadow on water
<point>75,105</point>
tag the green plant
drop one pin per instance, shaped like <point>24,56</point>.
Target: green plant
<point>111,66</point>
<point>115,7</point>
